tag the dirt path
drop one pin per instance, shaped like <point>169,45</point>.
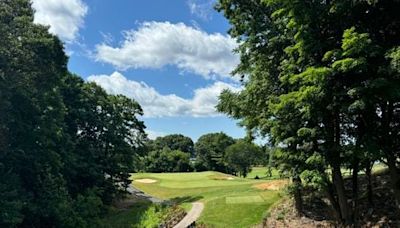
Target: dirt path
<point>191,216</point>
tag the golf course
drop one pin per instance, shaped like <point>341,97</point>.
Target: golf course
<point>229,201</point>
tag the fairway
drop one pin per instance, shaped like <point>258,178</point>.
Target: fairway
<point>229,201</point>
<point>244,199</point>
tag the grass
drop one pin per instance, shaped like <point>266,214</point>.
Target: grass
<point>244,199</point>
<point>142,214</point>
<point>261,172</point>
<point>228,203</point>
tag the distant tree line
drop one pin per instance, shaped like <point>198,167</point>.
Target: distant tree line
<point>322,81</point>
<point>67,148</point>
<point>213,151</point>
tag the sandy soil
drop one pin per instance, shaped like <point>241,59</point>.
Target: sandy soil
<point>272,185</point>
<point>146,181</point>
<point>221,177</point>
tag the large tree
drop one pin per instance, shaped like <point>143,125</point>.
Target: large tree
<point>173,142</point>
<point>32,64</point>
<point>66,146</point>
<point>321,81</point>
<point>105,137</point>
<point>210,150</point>
<point>240,156</point>
<point>167,160</point>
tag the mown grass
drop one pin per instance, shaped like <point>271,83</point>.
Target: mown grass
<point>213,189</point>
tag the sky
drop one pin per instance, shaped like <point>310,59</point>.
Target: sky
<point>173,57</point>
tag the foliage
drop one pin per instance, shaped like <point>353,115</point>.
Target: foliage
<point>210,149</point>
<point>240,156</point>
<point>66,146</point>
<point>140,215</point>
<point>167,160</point>
<point>322,82</point>
<point>173,142</point>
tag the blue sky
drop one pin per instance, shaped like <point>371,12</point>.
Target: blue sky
<point>173,57</point>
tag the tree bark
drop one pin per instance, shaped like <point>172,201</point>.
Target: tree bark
<point>338,182</point>
<point>355,189</point>
<point>330,192</point>
<point>337,177</point>
<point>368,171</point>
<point>387,144</point>
<point>394,173</point>
<point>298,198</point>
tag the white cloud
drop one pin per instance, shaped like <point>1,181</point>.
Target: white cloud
<point>155,104</point>
<point>154,134</point>
<point>157,44</point>
<point>201,8</point>
<point>65,17</point>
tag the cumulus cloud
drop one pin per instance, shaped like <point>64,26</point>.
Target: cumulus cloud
<point>201,8</point>
<point>65,17</point>
<point>154,104</point>
<point>154,134</point>
<point>157,44</point>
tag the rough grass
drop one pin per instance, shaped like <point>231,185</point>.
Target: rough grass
<point>261,172</point>
<point>214,190</point>
<point>141,215</point>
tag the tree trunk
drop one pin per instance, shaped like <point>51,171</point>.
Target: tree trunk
<point>368,171</point>
<point>355,190</point>
<point>337,177</point>
<point>387,143</point>
<point>394,178</point>
<point>338,182</point>
<point>298,198</point>
<point>330,192</point>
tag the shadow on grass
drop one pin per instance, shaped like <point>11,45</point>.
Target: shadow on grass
<point>186,199</point>
<point>137,214</point>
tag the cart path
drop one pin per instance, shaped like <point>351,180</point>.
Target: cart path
<point>191,216</point>
<point>134,191</point>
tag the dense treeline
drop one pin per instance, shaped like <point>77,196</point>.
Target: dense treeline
<point>213,151</point>
<point>322,81</point>
<point>66,146</point>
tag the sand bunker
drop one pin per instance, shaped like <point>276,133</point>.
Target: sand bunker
<point>221,177</point>
<point>146,181</point>
<point>272,185</point>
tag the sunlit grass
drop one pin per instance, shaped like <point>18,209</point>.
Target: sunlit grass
<point>217,192</point>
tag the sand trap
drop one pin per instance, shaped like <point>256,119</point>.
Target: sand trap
<point>146,181</point>
<point>221,177</point>
<point>272,185</point>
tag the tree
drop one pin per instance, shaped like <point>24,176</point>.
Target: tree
<point>105,137</point>
<point>210,149</point>
<point>321,83</point>
<point>32,64</point>
<point>66,146</point>
<point>240,156</point>
<point>173,142</point>
<point>167,160</point>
